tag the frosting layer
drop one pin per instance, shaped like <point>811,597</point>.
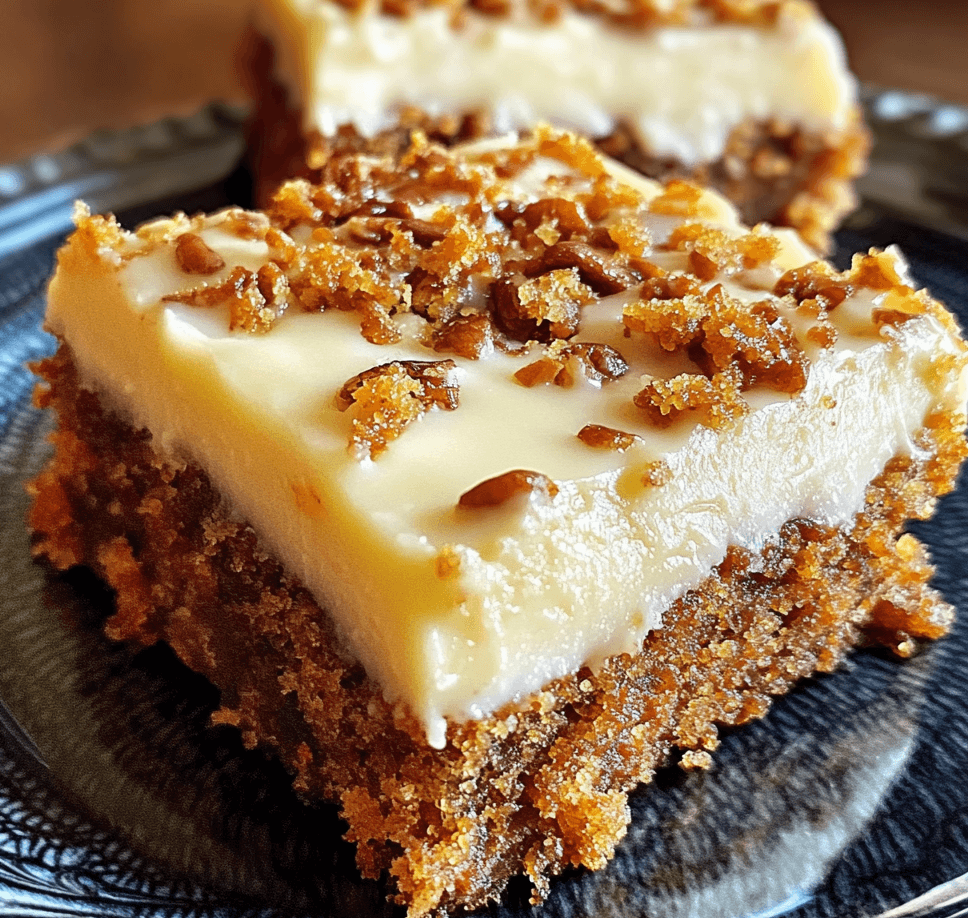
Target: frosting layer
<point>457,610</point>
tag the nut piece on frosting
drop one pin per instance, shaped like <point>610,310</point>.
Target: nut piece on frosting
<point>596,363</point>
<point>601,437</point>
<point>502,488</point>
<point>195,257</point>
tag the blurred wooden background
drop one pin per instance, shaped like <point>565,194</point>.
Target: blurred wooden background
<point>69,66</point>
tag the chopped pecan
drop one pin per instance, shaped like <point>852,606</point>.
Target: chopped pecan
<point>368,231</point>
<point>495,491</point>
<point>541,371</point>
<point>424,233</point>
<point>602,272</point>
<point>601,437</point>
<point>194,256</point>
<point>466,336</point>
<point>246,224</point>
<point>273,285</point>
<point>598,363</point>
<point>815,281</point>
<point>563,218</point>
<point>898,306</point>
<point>398,209</point>
<point>666,286</point>
<point>248,307</point>
<point>379,230</point>
<point>284,250</point>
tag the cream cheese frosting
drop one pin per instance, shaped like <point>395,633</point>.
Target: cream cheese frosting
<point>681,89</point>
<point>456,611</point>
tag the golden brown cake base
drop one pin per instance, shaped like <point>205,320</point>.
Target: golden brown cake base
<point>771,170</point>
<point>533,789</point>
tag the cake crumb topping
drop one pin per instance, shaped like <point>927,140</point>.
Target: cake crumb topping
<point>389,397</point>
<point>543,308</point>
<point>506,248</point>
<point>713,253</point>
<point>818,287</point>
<point>718,398</point>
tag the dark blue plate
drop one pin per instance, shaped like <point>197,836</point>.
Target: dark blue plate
<point>116,799</point>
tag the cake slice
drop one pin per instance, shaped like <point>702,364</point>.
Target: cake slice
<point>482,480</point>
<point>753,98</point>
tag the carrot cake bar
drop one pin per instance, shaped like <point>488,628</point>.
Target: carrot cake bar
<point>484,480</point>
<point>752,97</point>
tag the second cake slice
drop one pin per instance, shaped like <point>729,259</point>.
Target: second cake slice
<point>751,98</point>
